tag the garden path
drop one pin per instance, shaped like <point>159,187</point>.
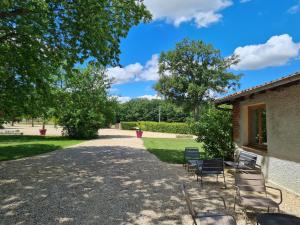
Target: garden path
<point>110,180</point>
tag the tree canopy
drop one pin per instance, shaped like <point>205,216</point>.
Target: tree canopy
<point>147,110</point>
<point>39,37</point>
<point>191,72</point>
<point>42,33</point>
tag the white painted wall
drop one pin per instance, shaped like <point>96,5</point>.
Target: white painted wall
<point>281,162</point>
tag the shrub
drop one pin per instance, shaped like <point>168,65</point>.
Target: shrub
<point>164,127</point>
<point>215,131</point>
<point>83,105</point>
<point>129,125</point>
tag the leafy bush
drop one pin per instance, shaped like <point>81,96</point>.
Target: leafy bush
<point>129,125</point>
<point>84,106</point>
<point>215,131</point>
<point>177,128</point>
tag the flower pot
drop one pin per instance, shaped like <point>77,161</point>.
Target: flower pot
<point>43,132</point>
<point>139,134</point>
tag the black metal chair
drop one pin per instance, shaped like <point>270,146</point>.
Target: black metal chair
<point>211,167</point>
<point>191,157</point>
<point>244,160</point>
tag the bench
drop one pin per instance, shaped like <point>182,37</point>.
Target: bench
<point>10,132</point>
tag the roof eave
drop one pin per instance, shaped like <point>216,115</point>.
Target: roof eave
<point>285,81</point>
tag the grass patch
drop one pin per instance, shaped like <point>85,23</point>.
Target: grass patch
<point>170,149</point>
<point>16,147</point>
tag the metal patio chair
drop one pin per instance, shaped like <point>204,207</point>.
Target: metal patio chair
<point>251,192</point>
<point>191,158</point>
<point>208,217</point>
<point>211,167</point>
<point>243,160</point>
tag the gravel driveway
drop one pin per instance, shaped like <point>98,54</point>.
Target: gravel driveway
<point>111,180</point>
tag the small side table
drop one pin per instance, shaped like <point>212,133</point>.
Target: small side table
<point>277,219</point>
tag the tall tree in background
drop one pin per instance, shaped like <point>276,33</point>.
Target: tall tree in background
<point>192,72</point>
<point>39,36</point>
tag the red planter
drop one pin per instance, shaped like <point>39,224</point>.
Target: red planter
<point>139,134</point>
<point>43,132</point>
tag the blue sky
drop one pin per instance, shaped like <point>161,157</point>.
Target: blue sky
<point>265,33</point>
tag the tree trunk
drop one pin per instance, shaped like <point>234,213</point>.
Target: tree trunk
<point>197,113</point>
<point>32,123</point>
<point>12,123</point>
<point>55,124</point>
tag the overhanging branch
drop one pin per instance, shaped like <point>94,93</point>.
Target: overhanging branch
<point>14,13</point>
<point>7,36</point>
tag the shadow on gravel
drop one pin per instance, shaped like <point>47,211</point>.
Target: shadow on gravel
<point>114,136</point>
<point>90,185</point>
<point>99,185</point>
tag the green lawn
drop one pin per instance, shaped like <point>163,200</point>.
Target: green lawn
<point>168,149</point>
<point>16,147</point>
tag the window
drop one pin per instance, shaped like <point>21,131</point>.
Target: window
<point>257,132</point>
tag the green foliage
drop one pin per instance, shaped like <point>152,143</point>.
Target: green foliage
<point>214,130</point>
<point>192,72</point>
<point>164,127</point>
<point>177,128</point>
<point>1,123</point>
<point>38,37</point>
<point>148,110</point>
<point>83,105</point>
<point>169,149</point>
<point>16,147</point>
<point>129,125</point>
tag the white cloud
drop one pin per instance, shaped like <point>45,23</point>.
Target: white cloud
<point>150,97</point>
<point>123,75</point>
<point>124,99</point>
<point>245,1</point>
<point>294,9</point>
<point>150,71</point>
<point>135,72</point>
<point>202,12</point>
<point>277,51</point>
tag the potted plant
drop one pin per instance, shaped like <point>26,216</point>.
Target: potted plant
<point>139,132</point>
<point>46,115</point>
<point>43,130</point>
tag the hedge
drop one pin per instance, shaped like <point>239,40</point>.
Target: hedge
<point>164,127</point>
<point>129,125</point>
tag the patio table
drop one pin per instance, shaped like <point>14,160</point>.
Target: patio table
<point>277,219</point>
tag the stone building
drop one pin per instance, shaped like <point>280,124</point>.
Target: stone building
<point>266,121</point>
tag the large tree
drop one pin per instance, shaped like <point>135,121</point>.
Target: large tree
<point>39,36</point>
<point>192,72</point>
